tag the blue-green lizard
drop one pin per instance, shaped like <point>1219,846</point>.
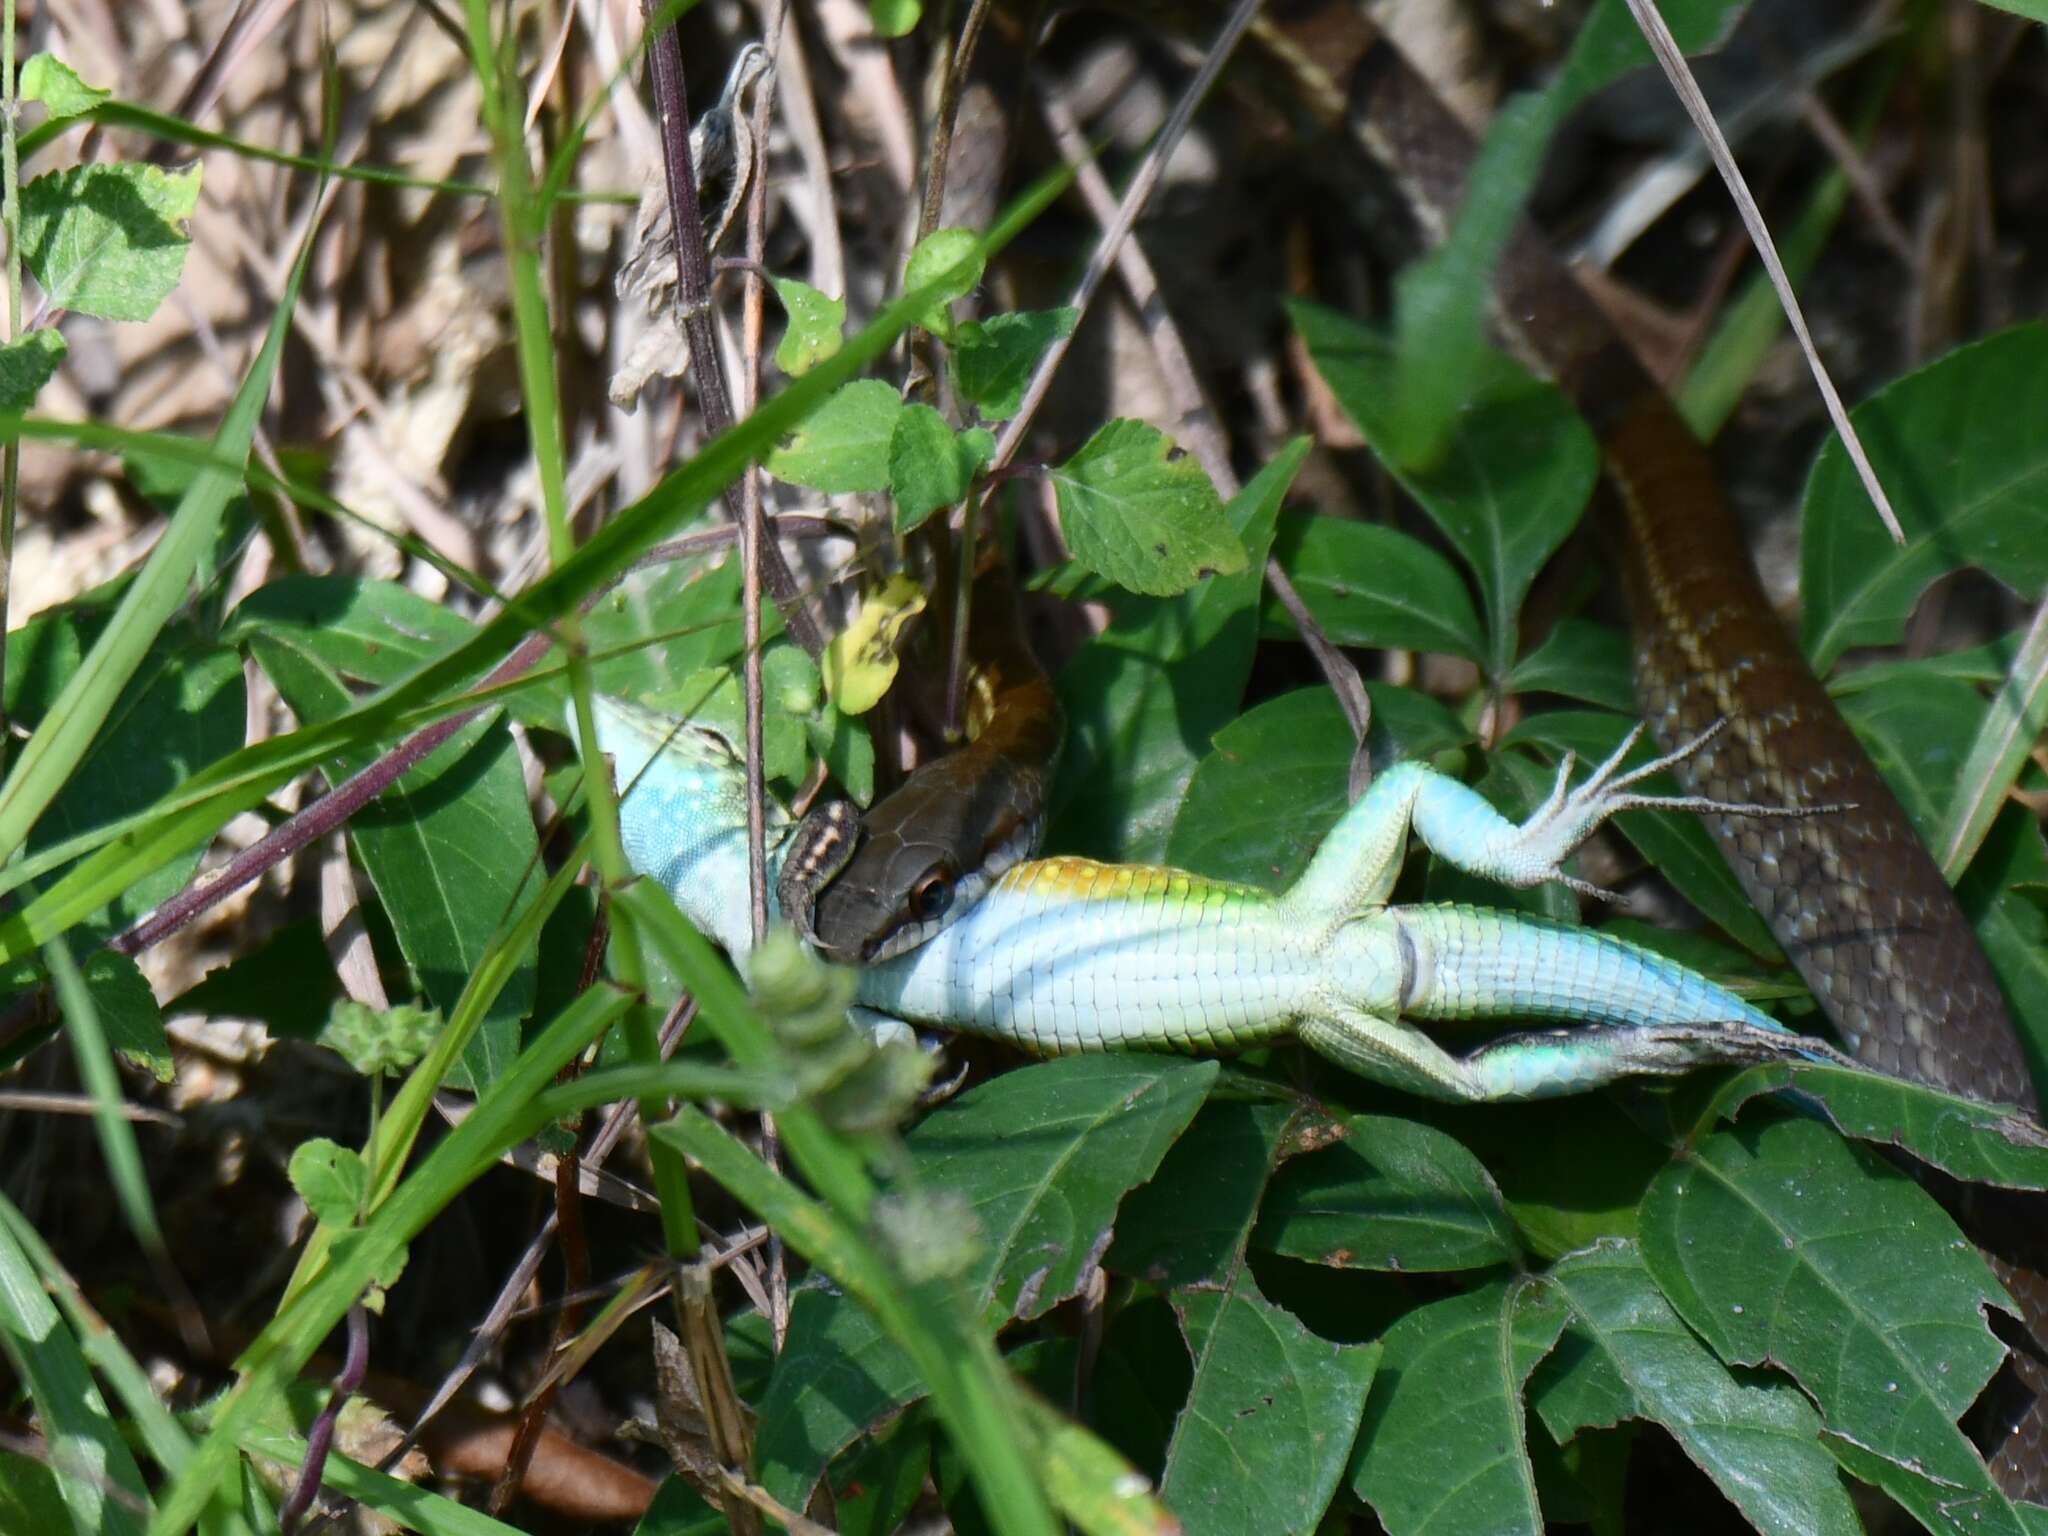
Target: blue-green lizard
<point>1066,954</point>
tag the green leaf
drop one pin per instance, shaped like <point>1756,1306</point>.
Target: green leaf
<point>658,628</point>
<point>715,697</point>
<point>1373,587</point>
<point>1188,1226</point>
<point>677,1509</point>
<point>1146,521</point>
<point>1441,298</point>
<point>48,79</point>
<point>930,466</point>
<point>895,18</point>
<point>1966,467</point>
<point>993,359</point>
<point>804,1422</point>
<point>27,365</point>
<point>843,445</point>
<point>1269,1422</point>
<point>1581,660</point>
<point>1572,1170</point>
<point>128,1013</point>
<point>105,239</point>
<point>1443,1447</point>
<point>1393,1194</point>
<point>1779,1242</point>
<point>1626,1355</point>
<point>947,258</point>
<point>330,1178</point>
<point>1506,485</point>
<point>1274,783</point>
<point>1966,1139</point>
<point>102,1488</point>
<point>1143,697</point>
<point>817,326</point>
<point>1044,1156</point>
<point>875,1489</point>
<point>30,1499</point>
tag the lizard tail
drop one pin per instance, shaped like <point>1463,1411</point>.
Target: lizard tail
<point>1472,962</point>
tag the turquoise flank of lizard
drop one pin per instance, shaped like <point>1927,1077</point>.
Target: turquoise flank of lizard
<point>1066,954</point>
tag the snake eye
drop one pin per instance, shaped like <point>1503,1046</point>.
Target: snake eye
<point>932,894</point>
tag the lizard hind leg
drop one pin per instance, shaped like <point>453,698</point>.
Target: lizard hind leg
<point>1541,1064</point>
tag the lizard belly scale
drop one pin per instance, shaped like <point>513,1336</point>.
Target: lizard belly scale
<point>1071,955</point>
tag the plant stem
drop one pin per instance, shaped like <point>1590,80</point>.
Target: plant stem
<point>10,191</point>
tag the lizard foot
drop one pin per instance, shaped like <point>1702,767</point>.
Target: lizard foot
<point>1568,816</point>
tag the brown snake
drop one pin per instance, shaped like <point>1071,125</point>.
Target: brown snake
<point>1853,897</point>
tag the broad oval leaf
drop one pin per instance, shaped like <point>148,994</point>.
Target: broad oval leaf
<point>993,359</point>
<point>838,1376</point>
<point>1917,729</point>
<point>1581,660</point>
<point>1961,451</point>
<point>949,261</point>
<point>817,326</point>
<point>108,239</point>
<point>930,465</point>
<point>1506,486</point>
<point>1443,1447</point>
<point>1982,1143</point>
<point>1043,1157</point>
<point>1187,1227</point>
<point>1780,1242</point>
<point>1147,521</point>
<point>451,846</point>
<point>1268,1424</point>
<point>1373,586</point>
<point>843,445</point>
<point>27,365</point>
<point>1626,1355</point>
<point>1393,1194</point>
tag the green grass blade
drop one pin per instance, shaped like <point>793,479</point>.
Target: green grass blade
<point>101,1485</point>
<point>414,1508</point>
<point>96,1070</point>
<point>153,1424</point>
<point>175,130</point>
